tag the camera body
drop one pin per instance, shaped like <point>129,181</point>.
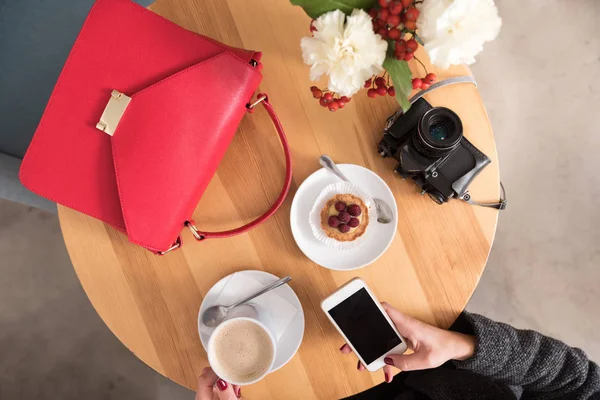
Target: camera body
<point>429,145</point>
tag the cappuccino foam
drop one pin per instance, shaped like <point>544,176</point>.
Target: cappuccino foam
<point>243,351</point>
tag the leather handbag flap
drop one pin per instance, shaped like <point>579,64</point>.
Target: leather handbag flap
<point>170,141</point>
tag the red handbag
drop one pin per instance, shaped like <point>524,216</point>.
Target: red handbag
<point>139,99</point>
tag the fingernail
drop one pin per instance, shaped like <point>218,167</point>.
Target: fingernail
<point>239,393</point>
<point>387,377</point>
<point>388,361</point>
<point>221,384</point>
<point>342,348</point>
<point>358,365</point>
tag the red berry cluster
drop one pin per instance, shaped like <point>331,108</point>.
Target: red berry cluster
<point>346,218</point>
<point>379,86</point>
<point>424,83</point>
<point>392,20</point>
<point>326,99</point>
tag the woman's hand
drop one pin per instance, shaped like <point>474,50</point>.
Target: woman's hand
<point>211,387</point>
<point>431,346</point>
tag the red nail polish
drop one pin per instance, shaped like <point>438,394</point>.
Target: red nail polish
<point>221,384</point>
<point>239,393</point>
<point>358,365</point>
<point>387,377</point>
<point>388,361</point>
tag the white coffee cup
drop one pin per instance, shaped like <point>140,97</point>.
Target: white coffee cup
<point>235,349</point>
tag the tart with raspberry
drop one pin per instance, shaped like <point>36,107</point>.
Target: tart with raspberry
<point>344,217</point>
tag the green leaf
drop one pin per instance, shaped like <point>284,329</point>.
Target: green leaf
<point>315,8</point>
<point>418,39</point>
<point>402,78</point>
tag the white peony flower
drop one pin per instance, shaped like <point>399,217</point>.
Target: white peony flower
<point>350,52</point>
<point>454,31</point>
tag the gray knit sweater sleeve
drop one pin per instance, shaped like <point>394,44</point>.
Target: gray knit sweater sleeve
<point>545,368</point>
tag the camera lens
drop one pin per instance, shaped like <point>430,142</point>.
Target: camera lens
<point>439,132</point>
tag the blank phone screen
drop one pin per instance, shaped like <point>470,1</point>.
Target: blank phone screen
<point>365,326</point>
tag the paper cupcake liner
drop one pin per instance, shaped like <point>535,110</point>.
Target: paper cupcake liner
<point>315,214</point>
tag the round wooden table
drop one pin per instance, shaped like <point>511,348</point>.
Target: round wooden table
<point>430,270</point>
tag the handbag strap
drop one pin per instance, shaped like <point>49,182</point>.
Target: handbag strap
<point>201,235</point>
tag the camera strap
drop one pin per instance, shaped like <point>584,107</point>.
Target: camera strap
<point>442,83</point>
<point>500,205</point>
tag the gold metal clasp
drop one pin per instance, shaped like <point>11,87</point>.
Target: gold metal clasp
<point>178,243</point>
<point>117,104</point>
<point>261,97</point>
<point>197,235</point>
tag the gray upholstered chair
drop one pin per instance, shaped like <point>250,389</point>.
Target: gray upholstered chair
<point>35,39</point>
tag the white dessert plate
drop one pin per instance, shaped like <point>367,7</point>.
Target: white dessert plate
<point>377,238</point>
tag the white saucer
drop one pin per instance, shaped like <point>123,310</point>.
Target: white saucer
<point>379,237</point>
<point>290,340</point>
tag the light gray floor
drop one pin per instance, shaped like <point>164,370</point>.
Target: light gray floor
<point>541,84</point>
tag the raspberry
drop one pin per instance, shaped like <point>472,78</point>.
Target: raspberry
<point>341,103</point>
<point>345,99</point>
<point>323,102</point>
<point>382,90</point>
<point>379,82</point>
<point>317,93</point>
<point>344,217</point>
<point>344,228</point>
<point>333,221</point>
<point>340,206</point>
<point>328,96</point>
<point>408,56</point>
<point>425,86</point>
<point>333,105</point>
<point>372,92</point>
<point>353,223</point>
<point>392,91</point>
<point>368,83</point>
<point>354,210</point>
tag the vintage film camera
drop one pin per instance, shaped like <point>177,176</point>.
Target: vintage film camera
<point>429,145</point>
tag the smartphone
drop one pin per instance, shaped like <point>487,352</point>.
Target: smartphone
<point>364,324</point>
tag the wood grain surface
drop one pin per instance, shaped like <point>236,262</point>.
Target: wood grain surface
<point>430,270</point>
